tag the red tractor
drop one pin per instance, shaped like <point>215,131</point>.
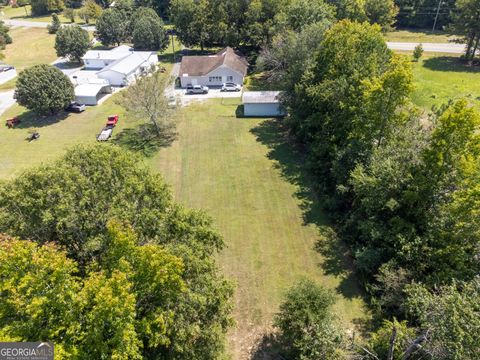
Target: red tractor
<point>112,120</point>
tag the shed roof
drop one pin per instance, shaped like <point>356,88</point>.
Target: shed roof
<point>261,97</point>
<point>203,65</point>
<point>88,89</point>
<point>130,63</point>
<point>114,54</point>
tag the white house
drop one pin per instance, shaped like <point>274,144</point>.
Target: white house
<point>123,71</point>
<point>98,59</point>
<point>213,70</point>
<point>262,104</point>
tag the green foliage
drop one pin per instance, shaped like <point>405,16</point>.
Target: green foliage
<point>72,42</point>
<point>44,89</point>
<point>300,13</point>
<point>417,52</point>
<point>307,324</point>
<point>382,12</point>
<point>55,25</point>
<point>72,203</point>
<point>42,7</point>
<point>466,22</point>
<point>70,14</point>
<point>350,9</point>
<point>380,340</point>
<point>421,13</point>
<point>90,11</point>
<point>112,27</point>
<point>451,316</point>
<point>4,35</point>
<point>148,30</point>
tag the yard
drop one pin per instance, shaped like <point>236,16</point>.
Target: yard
<point>420,36</point>
<point>24,13</point>
<point>439,78</point>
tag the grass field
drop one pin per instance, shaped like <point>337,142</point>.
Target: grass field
<point>244,174</point>
<point>422,36</point>
<point>439,78</point>
<point>24,13</point>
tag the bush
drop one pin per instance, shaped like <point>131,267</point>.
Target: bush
<point>69,13</point>
<point>44,89</point>
<point>55,25</point>
<point>72,42</point>
<point>42,7</point>
<point>418,52</point>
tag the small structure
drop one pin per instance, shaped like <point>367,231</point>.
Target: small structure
<point>213,70</point>
<point>262,104</point>
<point>89,94</point>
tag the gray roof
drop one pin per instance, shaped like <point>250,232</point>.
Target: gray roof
<point>203,65</point>
<point>114,54</point>
<point>130,63</point>
<point>261,97</point>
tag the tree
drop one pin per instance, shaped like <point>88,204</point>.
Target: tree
<point>72,42</point>
<point>382,12</point>
<point>466,21</point>
<point>300,13</point>
<point>450,317</point>
<point>350,9</point>
<point>42,7</point>
<point>112,27</point>
<point>55,25</point>
<point>148,30</point>
<point>417,52</point>
<point>90,11</point>
<point>70,14</point>
<point>306,323</point>
<point>44,89</point>
<point>4,29</point>
<point>72,201</point>
<point>146,100</point>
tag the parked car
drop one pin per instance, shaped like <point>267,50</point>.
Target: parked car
<point>105,134</point>
<point>231,87</point>
<point>197,89</point>
<point>76,107</point>
<point>112,120</point>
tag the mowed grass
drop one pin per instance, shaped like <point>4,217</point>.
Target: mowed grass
<point>24,13</point>
<point>421,36</point>
<point>56,135</point>
<point>232,168</point>
<point>440,78</point>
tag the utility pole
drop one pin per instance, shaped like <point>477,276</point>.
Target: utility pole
<point>436,16</point>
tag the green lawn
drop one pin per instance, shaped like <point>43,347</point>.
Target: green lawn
<point>422,36</point>
<point>24,13</point>
<point>246,177</point>
<point>439,78</point>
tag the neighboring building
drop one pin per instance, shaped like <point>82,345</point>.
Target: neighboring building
<point>123,72</point>
<point>213,70</point>
<point>90,94</point>
<point>98,59</point>
<point>262,104</point>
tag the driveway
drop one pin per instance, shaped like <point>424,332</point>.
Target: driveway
<point>450,48</point>
<point>7,76</point>
<point>185,99</point>
<point>6,101</point>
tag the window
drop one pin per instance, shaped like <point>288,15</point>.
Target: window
<point>213,79</point>
<point>229,78</point>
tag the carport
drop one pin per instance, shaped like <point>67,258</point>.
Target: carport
<point>89,94</point>
<point>262,104</point>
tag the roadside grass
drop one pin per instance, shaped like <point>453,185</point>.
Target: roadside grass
<point>167,57</point>
<point>20,13</point>
<point>421,36</point>
<point>443,77</point>
<point>30,46</point>
<point>249,179</point>
<point>56,135</point>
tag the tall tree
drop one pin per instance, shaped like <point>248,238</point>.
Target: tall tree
<point>466,21</point>
<point>148,30</point>
<point>112,27</point>
<point>72,42</point>
<point>382,12</point>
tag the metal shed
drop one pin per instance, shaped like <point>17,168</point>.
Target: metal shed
<point>262,104</point>
<point>89,94</point>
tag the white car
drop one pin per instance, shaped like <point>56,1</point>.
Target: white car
<point>231,87</point>
<point>197,89</point>
<point>105,134</point>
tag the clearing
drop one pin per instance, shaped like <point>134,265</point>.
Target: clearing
<point>419,36</point>
<point>24,13</point>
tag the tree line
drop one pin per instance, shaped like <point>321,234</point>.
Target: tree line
<point>401,187</point>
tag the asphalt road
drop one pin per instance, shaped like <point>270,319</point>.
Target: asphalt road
<point>428,47</point>
<point>38,24</point>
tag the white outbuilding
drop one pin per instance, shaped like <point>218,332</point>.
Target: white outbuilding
<point>262,104</point>
<point>89,94</point>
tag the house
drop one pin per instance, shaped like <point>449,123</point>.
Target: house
<point>213,70</point>
<point>124,71</point>
<point>98,59</point>
<point>262,104</point>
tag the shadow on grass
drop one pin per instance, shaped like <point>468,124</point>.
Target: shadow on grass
<point>449,63</point>
<point>30,120</point>
<point>145,140</point>
<point>268,348</point>
<point>290,159</point>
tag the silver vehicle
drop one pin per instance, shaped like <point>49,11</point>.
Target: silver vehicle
<point>231,87</point>
<point>197,89</point>
<point>105,134</point>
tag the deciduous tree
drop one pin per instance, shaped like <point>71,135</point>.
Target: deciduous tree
<point>72,42</point>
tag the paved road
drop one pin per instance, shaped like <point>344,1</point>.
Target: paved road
<point>429,47</point>
<point>39,24</point>
<point>6,101</point>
